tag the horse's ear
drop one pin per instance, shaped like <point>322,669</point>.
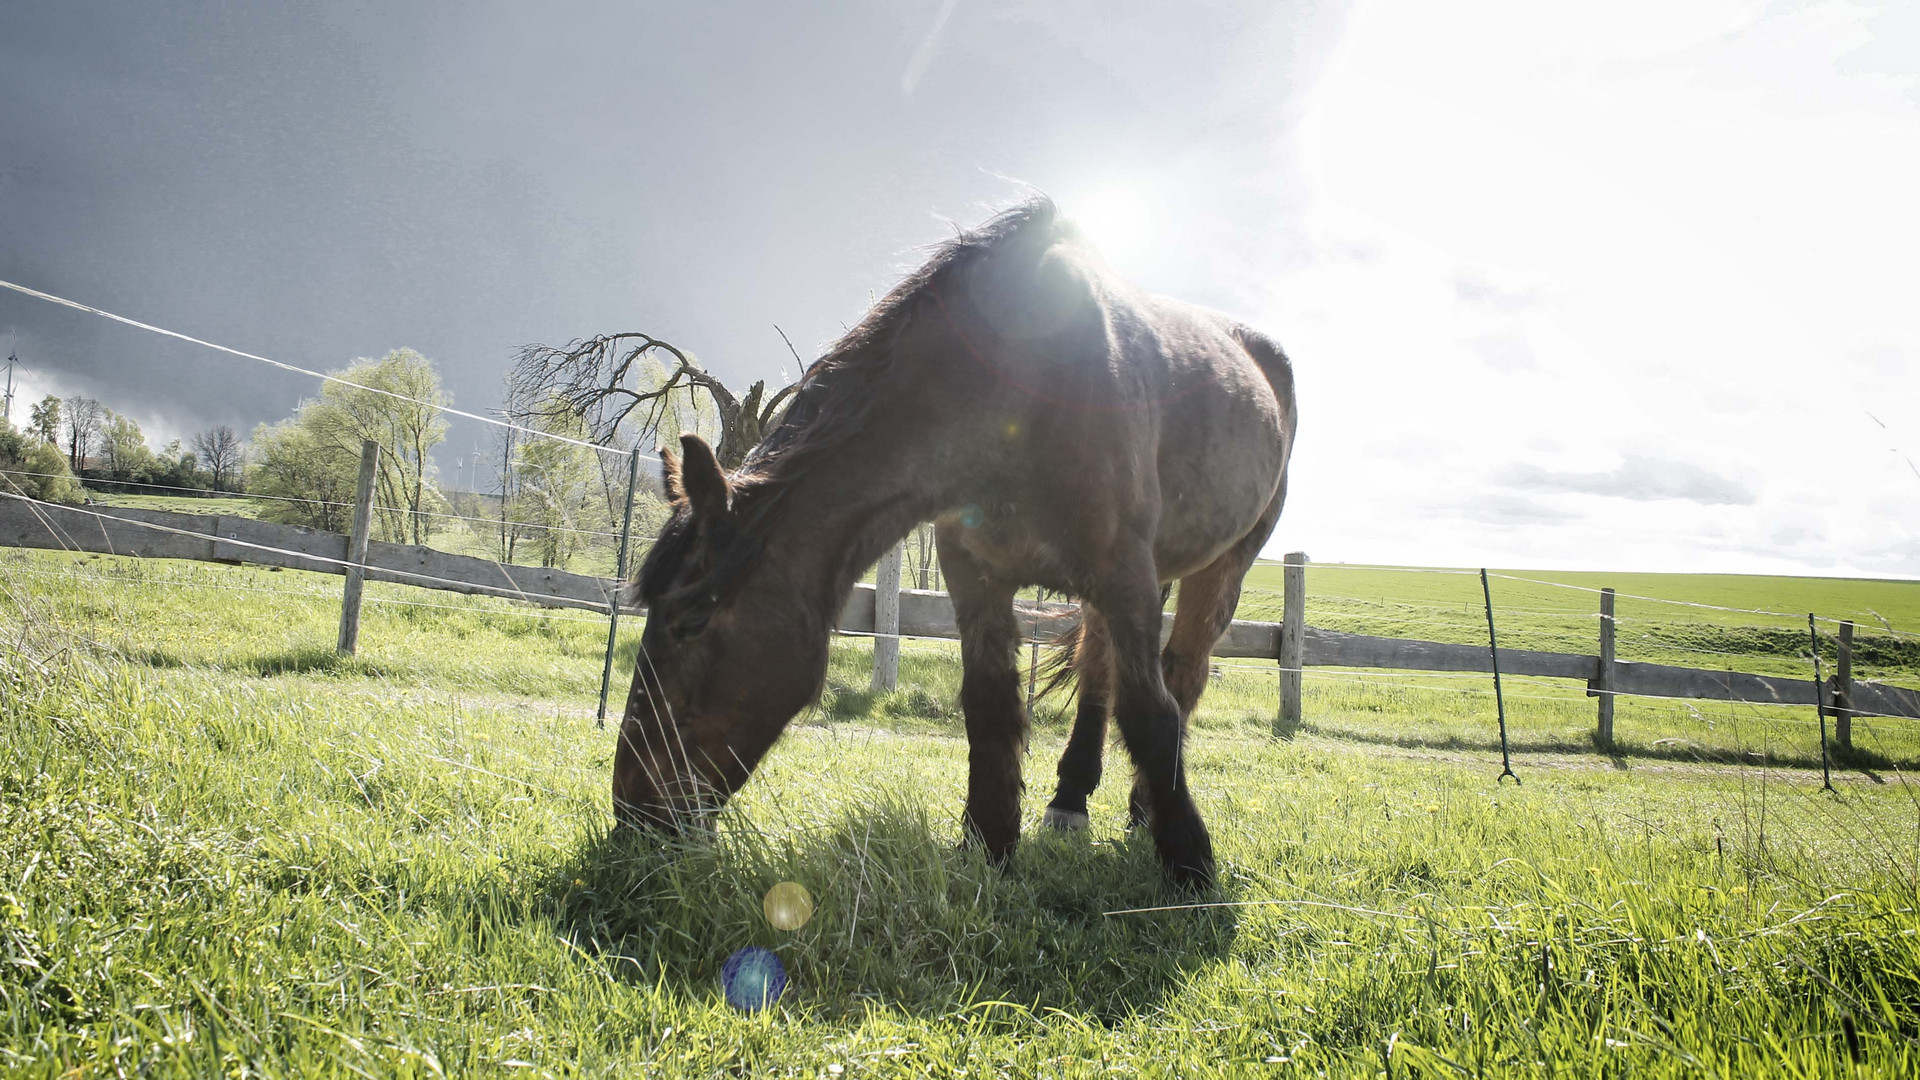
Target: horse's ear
<point>670,475</point>
<point>702,479</point>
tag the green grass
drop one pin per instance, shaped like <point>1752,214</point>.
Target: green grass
<point>224,851</point>
<point>233,505</point>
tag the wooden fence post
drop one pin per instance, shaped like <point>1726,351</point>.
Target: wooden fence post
<point>357,548</point>
<point>886,621</point>
<point>1843,690</point>
<point>1603,682</point>
<point>1293,635</point>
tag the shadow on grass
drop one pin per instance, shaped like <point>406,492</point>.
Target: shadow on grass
<point>310,660</point>
<point>157,658</point>
<point>902,918</point>
<point>1622,753</point>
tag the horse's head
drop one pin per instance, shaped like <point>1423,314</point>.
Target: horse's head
<point>725,660</point>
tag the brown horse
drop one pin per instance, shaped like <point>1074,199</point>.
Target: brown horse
<point>1060,429</point>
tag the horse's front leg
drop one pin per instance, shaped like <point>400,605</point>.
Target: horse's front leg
<point>990,698</point>
<point>1149,719</point>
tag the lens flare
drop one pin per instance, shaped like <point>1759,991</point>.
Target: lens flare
<point>753,979</point>
<point>788,906</point>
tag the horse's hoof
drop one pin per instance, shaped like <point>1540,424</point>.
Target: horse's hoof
<point>1193,878</point>
<point>1066,820</point>
<point>1186,852</point>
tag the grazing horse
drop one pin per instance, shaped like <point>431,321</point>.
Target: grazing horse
<point>1061,429</point>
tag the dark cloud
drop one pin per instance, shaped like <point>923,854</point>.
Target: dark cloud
<point>1641,478</point>
<point>318,183</point>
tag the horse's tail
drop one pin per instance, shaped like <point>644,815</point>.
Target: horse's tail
<point>1062,663</point>
<point>1273,362</point>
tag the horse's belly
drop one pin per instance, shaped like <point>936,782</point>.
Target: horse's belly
<point>1193,536</point>
<point>1217,476</point>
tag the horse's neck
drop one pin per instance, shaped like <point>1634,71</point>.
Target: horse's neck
<point>836,522</point>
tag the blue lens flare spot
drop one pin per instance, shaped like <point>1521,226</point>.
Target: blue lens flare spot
<point>972,516</point>
<point>753,979</point>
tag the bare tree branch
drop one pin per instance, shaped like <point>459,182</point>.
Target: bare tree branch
<point>220,452</point>
<point>605,381</point>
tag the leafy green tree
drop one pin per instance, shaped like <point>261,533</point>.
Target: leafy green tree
<point>293,462</point>
<point>556,490</point>
<point>175,466</point>
<point>123,450</point>
<point>314,456</point>
<point>35,469</point>
<point>44,420</point>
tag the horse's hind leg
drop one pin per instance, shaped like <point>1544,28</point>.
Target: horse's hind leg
<point>990,697</point>
<point>1153,701</point>
<point>1205,609</point>
<point>1080,765</point>
<point>1128,597</point>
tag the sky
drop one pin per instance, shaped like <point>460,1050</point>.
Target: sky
<point>1616,286</point>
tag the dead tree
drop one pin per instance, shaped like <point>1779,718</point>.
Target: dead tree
<point>84,417</point>
<point>605,379</point>
<point>219,450</point>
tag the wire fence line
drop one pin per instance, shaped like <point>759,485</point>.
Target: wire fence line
<point>1325,656</point>
<point>70,542</point>
<point>1858,617</point>
<point>297,369</point>
<point>75,574</point>
<point>231,496</point>
<point>637,452</point>
<point>1695,604</point>
<point>1590,589</point>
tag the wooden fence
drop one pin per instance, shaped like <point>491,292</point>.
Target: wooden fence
<point>916,613</point>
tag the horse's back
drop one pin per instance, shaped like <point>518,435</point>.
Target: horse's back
<point>1225,413</point>
<point>1112,409</point>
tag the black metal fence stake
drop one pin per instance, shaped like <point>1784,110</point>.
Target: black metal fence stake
<point>619,586</point>
<point>1820,704</point>
<point>1499,702</point>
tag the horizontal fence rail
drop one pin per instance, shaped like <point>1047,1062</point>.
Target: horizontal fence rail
<point>159,534</point>
<point>921,613</point>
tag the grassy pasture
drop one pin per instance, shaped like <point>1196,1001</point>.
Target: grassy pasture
<point>234,505</point>
<point>222,850</point>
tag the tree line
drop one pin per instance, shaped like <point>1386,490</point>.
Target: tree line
<point>67,441</point>
<point>551,499</point>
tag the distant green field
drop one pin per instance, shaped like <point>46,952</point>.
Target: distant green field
<point>1871,602</point>
<point>1559,611</point>
<point>237,506</point>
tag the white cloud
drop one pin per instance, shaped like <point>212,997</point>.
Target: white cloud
<point>1643,479</point>
<point>1676,249</point>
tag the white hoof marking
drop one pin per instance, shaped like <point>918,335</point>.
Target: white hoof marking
<point>1070,820</point>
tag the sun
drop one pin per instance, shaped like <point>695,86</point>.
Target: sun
<point>1118,220</point>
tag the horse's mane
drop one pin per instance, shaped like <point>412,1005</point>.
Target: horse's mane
<point>837,393</point>
<point>839,389</point>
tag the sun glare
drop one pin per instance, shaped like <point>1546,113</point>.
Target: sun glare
<point>1118,220</point>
